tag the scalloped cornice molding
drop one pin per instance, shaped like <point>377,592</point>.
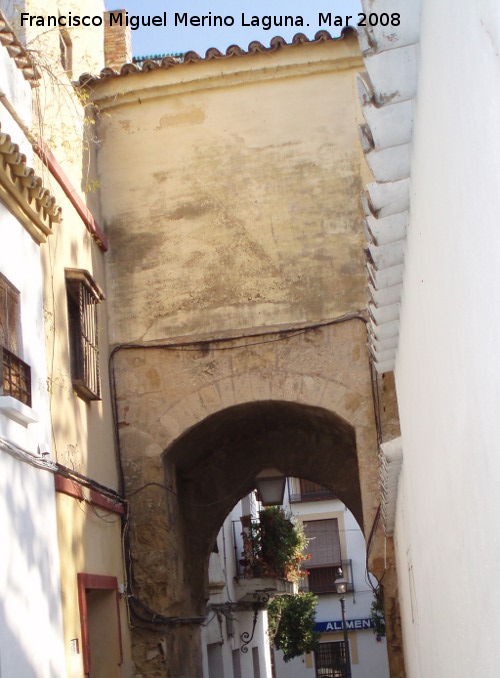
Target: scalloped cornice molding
<point>18,52</point>
<point>23,192</point>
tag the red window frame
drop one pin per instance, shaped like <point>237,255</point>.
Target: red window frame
<point>89,582</point>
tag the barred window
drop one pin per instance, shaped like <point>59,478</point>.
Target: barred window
<point>331,660</point>
<point>15,375</point>
<point>83,296</point>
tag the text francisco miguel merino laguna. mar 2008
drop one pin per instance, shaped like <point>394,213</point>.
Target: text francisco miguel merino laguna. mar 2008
<point>183,19</point>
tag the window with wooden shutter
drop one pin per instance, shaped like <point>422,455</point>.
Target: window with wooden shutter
<point>15,374</point>
<point>324,542</point>
<point>9,315</point>
<point>325,555</point>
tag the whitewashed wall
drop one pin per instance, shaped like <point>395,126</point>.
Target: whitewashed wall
<point>372,661</point>
<point>30,605</point>
<point>223,570</point>
<point>448,364</point>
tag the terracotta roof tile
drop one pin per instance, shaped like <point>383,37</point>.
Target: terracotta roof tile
<point>20,186</point>
<point>212,53</point>
<point>18,52</point>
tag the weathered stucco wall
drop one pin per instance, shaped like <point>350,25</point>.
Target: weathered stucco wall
<point>230,192</point>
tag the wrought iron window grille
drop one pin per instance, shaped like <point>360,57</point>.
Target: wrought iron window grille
<point>83,295</point>
<point>15,377</point>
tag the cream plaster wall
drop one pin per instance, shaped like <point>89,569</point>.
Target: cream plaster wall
<point>90,539</point>
<point>448,368</point>
<point>230,193</point>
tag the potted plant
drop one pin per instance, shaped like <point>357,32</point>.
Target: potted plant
<point>273,546</point>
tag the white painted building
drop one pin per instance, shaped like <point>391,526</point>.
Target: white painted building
<point>435,320</point>
<point>335,540</point>
<point>230,614</point>
<point>232,646</point>
<point>30,603</point>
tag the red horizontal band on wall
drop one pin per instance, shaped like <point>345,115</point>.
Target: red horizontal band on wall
<point>104,502</point>
<point>73,489</point>
<point>50,161</point>
<point>69,487</point>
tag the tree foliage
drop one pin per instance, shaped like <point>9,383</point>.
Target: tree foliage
<point>291,624</point>
<point>377,613</point>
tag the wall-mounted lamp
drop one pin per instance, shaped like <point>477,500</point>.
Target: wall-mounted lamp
<point>270,484</point>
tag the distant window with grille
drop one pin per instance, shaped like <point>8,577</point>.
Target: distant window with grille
<point>15,377</point>
<point>83,297</point>
<point>324,553</point>
<point>331,660</point>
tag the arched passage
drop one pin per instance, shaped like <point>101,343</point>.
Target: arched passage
<point>197,422</point>
<point>216,462</point>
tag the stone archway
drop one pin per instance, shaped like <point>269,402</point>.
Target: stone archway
<point>216,461</point>
<point>183,410</point>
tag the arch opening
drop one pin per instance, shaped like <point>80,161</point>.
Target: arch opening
<point>214,464</point>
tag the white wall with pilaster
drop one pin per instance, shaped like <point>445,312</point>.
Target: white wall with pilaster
<point>30,598</point>
<point>448,362</point>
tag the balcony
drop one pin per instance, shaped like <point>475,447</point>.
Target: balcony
<point>268,555</point>
<point>300,490</point>
<point>321,580</point>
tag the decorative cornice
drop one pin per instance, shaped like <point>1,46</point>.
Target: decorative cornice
<point>391,460</point>
<point>386,91</point>
<point>18,52</point>
<point>23,192</point>
<point>190,57</point>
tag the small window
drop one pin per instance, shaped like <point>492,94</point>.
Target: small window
<point>324,554</point>
<point>332,660</point>
<point>66,51</point>
<point>324,542</point>
<point>9,315</point>
<point>15,374</point>
<point>83,296</point>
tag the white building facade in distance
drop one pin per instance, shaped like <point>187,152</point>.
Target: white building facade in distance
<point>335,541</point>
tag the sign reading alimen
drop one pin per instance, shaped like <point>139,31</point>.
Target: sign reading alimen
<point>352,625</point>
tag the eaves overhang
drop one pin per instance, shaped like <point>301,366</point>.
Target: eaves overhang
<point>386,90</point>
<point>18,52</point>
<point>212,54</point>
